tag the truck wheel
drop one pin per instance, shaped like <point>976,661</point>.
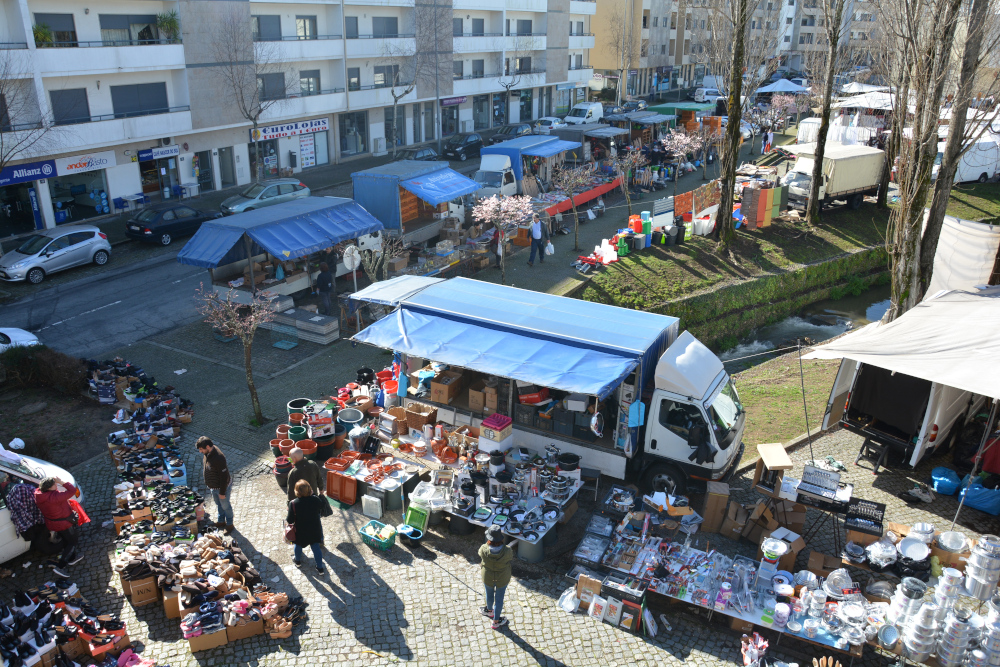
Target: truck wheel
<point>983,178</point>
<point>665,478</point>
<point>854,203</point>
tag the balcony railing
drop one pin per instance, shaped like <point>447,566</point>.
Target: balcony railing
<point>12,45</point>
<point>400,35</point>
<point>328,91</point>
<point>116,116</point>
<point>296,38</point>
<point>20,127</point>
<point>480,34</point>
<point>575,68</point>
<point>377,86</point>
<point>523,72</point>
<point>109,42</point>
<point>475,75</point>
<point>526,34</point>
<point>582,34</point>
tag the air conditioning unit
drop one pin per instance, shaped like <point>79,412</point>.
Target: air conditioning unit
<point>466,126</point>
<point>165,141</point>
<point>378,146</point>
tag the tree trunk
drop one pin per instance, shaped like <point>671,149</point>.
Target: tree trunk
<point>395,119</point>
<point>248,366</point>
<point>724,233</point>
<point>813,205</point>
<point>956,139</point>
<point>260,160</point>
<point>576,223</point>
<point>677,173</point>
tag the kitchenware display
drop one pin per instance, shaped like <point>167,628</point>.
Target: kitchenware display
<point>514,528</point>
<point>773,549</point>
<point>855,553</point>
<point>482,460</point>
<point>482,514</point>
<point>794,626</point>
<point>979,589</point>
<point>530,535</point>
<point>622,501</point>
<point>952,541</point>
<point>888,637</point>
<point>811,627</point>
<point>853,613</point>
<point>923,532</point>
<point>879,589</point>
<point>913,548</point>
<point>544,478</point>
<point>551,455</point>
<point>806,578</point>
<point>990,544</point>
<point>855,636</point>
<point>551,513</point>
<point>500,519</point>
<point>836,583</point>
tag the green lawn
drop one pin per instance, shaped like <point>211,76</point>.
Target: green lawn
<point>975,201</point>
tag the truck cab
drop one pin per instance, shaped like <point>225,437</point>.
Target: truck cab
<point>694,430</point>
<point>496,176</point>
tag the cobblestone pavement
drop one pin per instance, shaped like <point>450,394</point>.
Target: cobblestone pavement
<point>419,605</point>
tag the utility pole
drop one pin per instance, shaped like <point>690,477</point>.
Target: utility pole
<point>437,82</point>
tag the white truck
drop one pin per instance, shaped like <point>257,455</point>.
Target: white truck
<point>849,173</point>
<point>979,163</point>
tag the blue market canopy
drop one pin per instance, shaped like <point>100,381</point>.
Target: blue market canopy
<point>655,118</point>
<point>551,148</point>
<point>391,292</point>
<point>440,186</point>
<point>606,132</point>
<point>289,230</point>
<point>552,341</point>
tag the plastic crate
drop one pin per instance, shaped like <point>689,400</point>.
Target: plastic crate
<point>417,517</point>
<point>525,414</point>
<point>374,542</point>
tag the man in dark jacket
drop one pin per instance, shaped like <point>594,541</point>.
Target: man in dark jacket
<point>303,468</point>
<point>52,497</point>
<point>324,285</point>
<point>218,480</point>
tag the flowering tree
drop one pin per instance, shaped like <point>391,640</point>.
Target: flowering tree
<point>504,213</point>
<point>679,144</point>
<point>625,163</point>
<point>240,320</point>
<point>569,181</point>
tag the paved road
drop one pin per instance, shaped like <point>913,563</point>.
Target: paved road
<point>88,317</point>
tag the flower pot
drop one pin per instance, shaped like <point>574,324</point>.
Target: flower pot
<point>285,446</point>
<point>275,449</point>
<point>324,452</point>
<point>339,434</point>
<point>308,448</point>
<point>296,419</point>
<point>282,431</point>
<point>297,433</point>
<point>297,405</point>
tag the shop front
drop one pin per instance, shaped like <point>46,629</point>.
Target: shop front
<point>158,170</point>
<point>20,211</point>
<point>449,115</point>
<point>79,190</point>
<point>354,133</point>
<point>499,109</point>
<point>481,113</point>
<point>525,102</point>
<point>289,145</point>
<point>264,160</point>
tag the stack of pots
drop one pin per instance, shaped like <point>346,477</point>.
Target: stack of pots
<point>982,571</point>
<point>558,487</point>
<point>947,591</point>
<point>906,601</point>
<point>282,466</point>
<point>989,643</point>
<point>956,634</point>
<point>920,635</point>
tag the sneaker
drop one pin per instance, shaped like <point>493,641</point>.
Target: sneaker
<point>321,571</point>
<point>297,563</point>
<point>75,559</point>
<point>499,622</point>
<point>486,611</point>
<point>923,493</point>
<point>60,572</point>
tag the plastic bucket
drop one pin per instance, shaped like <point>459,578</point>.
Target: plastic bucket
<point>383,376</point>
<point>282,431</point>
<point>324,452</point>
<point>350,417</point>
<point>339,434</point>
<point>297,405</point>
<point>274,446</point>
<point>390,387</point>
<point>297,433</point>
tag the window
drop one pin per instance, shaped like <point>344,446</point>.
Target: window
<point>185,212</point>
<point>62,26</point>
<point>672,46</point>
<point>523,27</point>
<point>120,29</point>
<point>644,48</point>
<point>478,69</point>
<point>168,215</point>
<point>70,106</point>
<point>4,115</point>
<point>507,27</point>
<point>354,133</point>
<point>79,237</point>
<point>673,21</point>
<point>309,82</point>
<point>479,27</point>
<point>806,39</point>
<point>456,27</point>
<point>663,49</point>
<point>271,86</point>
<point>266,28</point>
<point>429,121</point>
<point>386,75</point>
<point>687,22</point>
<point>385,26</point>
<point>399,139</point>
<point>458,69</point>
<point>788,38</point>
<point>579,61</point>
<point>522,65</point>
<point>351,27</point>
<point>570,62</point>
<point>703,24</point>
<point>354,78</point>
<point>579,27</point>
<point>656,21</point>
<point>683,420</point>
<point>770,6</point>
<point>305,27</point>
<point>139,99</point>
<point>809,21</point>
<point>687,46</point>
<point>788,21</point>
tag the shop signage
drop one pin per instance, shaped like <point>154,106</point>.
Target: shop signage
<point>29,171</point>
<point>86,162</point>
<point>159,152</point>
<point>598,76</point>
<point>565,86</point>
<point>633,72</point>
<point>452,101</point>
<point>36,212</point>
<point>307,151</point>
<point>290,129</point>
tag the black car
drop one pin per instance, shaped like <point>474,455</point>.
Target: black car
<point>463,146</point>
<point>634,105</point>
<point>611,109</point>
<point>425,154</point>
<point>163,224</point>
<point>511,132</point>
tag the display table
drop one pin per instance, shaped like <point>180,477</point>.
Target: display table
<point>583,197</point>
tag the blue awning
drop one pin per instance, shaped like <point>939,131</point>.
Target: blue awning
<point>440,186</point>
<point>391,292</point>
<point>519,355</point>
<point>289,230</point>
<point>605,132</point>
<point>552,148</point>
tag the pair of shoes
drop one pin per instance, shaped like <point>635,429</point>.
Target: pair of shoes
<point>219,524</point>
<point>229,528</point>
<point>297,563</point>
<point>281,629</point>
<point>60,571</point>
<point>486,611</point>
<point>531,263</point>
<point>499,622</point>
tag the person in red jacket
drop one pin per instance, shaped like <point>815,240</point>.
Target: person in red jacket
<point>52,497</point>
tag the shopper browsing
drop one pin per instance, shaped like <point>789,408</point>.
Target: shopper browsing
<point>496,559</point>
<point>304,469</point>
<point>304,512</point>
<point>539,237</point>
<point>52,497</point>
<point>324,285</point>
<point>218,480</point>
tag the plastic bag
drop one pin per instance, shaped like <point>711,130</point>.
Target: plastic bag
<point>568,601</point>
<point>549,248</point>
<point>979,497</point>
<point>945,480</point>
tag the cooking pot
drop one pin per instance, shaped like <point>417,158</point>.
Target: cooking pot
<point>990,544</point>
<point>497,458</point>
<point>983,561</point>
<point>365,376</point>
<point>503,477</point>
<point>569,461</point>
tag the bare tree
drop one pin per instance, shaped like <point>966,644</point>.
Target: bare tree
<point>621,42</point>
<point>512,64</point>
<point>568,182</point>
<point>376,262</point>
<point>625,163</point>
<point>252,74</point>
<point>22,129</point>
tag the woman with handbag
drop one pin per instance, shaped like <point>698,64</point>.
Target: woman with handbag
<point>53,498</point>
<point>304,526</point>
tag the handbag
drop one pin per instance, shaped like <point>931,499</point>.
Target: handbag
<point>290,529</point>
<point>325,509</point>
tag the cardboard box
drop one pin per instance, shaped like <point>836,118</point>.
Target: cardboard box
<point>171,604</point>
<point>477,396</point>
<point>790,515</point>
<point>735,521</point>
<point>73,649</point>
<point>126,585</point>
<point>206,642</point>
<point>774,460</point>
<point>144,591</point>
<point>568,511</point>
<point>822,565</point>
<point>739,625</point>
<point>445,386</point>
<point>586,589</point>
<point>251,629</point>
<point>864,539</point>
<point>795,545</point>
<point>398,263</point>
<point>716,498</point>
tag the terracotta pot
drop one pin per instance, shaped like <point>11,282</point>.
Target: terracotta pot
<point>282,431</point>
<point>286,446</point>
<point>308,448</point>
<point>296,419</point>
<point>340,433</point>
<point>275,446</point>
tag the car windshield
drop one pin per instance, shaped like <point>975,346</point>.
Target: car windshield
<point>726,409</point>
<point>456,140</point>
<point>147,216</point>
<point>490,179</point>
<point>24,468</point>
<point>406,155</point>
<point>578,113</point>
<point>33,245</point>
<point>253,191</point>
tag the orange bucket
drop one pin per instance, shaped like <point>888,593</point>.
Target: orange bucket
<point>390,387</point>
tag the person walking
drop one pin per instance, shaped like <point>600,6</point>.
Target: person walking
<point>303,468</point>
<point>304,512</point>
<point>539,237</point>
<point>496,558</point>
<point>52,497</point>
<point>324,285</point>
<point>218,480</point>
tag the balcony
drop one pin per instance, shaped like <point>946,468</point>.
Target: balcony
<point>294,48</point>
<point>372,46</point>
<point>526,5</point>
<point>476,85</point>
<point>368,97</point>
<point>297,106</point>
<point>479,43</point>
<point>522,80</point>
<point>106,58</point>
<point>11,46</point>
<point>582,41</point>
<point>476,4</point>
<point>580,75</point>
<point>528,42</point>
<point>381,3</point>
<point>587,7</point>
<point>114,129</point>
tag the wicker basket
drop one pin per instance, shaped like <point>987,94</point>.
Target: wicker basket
<point>418,414</point>
<point>402,422</point>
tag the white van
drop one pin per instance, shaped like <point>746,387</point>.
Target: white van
<point>710,95</point>
<point>585,112</point>
<point>979,163</point>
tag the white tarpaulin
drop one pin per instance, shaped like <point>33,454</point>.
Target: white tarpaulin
<point>949,338</point>
<point>965,254</point>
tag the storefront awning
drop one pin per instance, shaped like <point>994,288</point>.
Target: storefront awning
<point>391,292</point>
<point>606,132</point>
<point>440,186</point>
<point>289,230</point>
<point>655,118</point>
<point>552,148</point>
<point>517,355</point>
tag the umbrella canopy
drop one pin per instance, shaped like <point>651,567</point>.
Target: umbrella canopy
<point>783,86</point>
<point>855,88</point>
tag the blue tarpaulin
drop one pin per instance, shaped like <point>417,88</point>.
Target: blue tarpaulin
<point>440,186</point>
<point>552,148</point>
<point>289,230</point>
<point>377,189</point>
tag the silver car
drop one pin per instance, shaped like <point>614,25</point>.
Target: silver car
<point>265,193</point>
<point>52,250</point>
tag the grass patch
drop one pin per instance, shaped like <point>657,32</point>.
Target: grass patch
<point>975,201</point>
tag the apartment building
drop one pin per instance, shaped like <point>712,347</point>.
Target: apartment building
<point>134,109</point>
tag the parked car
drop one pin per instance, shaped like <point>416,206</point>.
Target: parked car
<point>710,95</point>
<point>546,124</point>
<point>165,223</point>
<point>32,471</point>
<point>610,109</point>
<point>512,131</point>
<point>746,131</point>
<point>634,105</point>
<point>425,154</point>
<point>52,250</point>
<point>463,146</point>
<point>265,193</point>
<point>13,337</point>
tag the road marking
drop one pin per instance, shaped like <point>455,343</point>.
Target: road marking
<point>191,275</point>
<point>87,312</point>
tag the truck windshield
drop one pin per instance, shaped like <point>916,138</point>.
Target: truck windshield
<point>578,113</point>
<point>797,178</point>
<point>489,179</point>
<point>726,410</point>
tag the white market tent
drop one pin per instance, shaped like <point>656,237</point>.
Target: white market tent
<point>783,86</point>
<point>855,88</point>
<point>878,100</point>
